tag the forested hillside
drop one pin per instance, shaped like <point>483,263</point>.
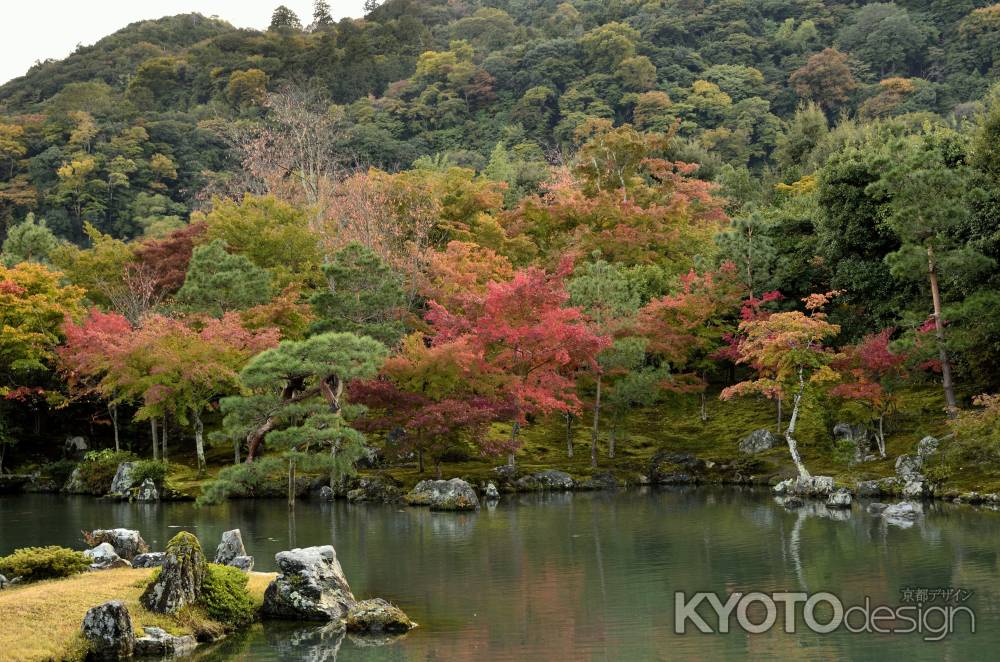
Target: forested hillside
<point>446,210</point>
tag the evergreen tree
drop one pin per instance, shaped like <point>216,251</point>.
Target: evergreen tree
<point>218,281</point>
<point>364,296</point>
<point>321,15</point>
<point>284,18</point>
<point>28,241</point>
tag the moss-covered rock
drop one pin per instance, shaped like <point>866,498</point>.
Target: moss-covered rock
<point>179,582</point>
<point>378,616</point>
<point>454,494</point>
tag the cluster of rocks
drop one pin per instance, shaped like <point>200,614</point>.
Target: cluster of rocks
<point>231,551</point>
<point>114,548</point>
<point>110,636</point>
<point>312,586</point>
<point>123,485</point>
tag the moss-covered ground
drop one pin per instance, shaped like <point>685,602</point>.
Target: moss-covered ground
<point>676,426</point>
<point>41,621</point>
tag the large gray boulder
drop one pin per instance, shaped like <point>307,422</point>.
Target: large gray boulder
<point>814,486</point>
<point>104,557</point>
<point>454,494</point>
<point>244,563</point>
<point>377,616</point>
<point>917,487</point>
<point>156,642</point>
<point>108,631</point>
<point>3,582</point>
<point>311,586</point>
<point>546,480</point>
<point>856,437</point>
<point>149,560</point>
<point>74,484</point>
<point>377,489</point>
<point>127,543</point>
<point>757,441</point>
<point>875,488</point>
<point>123,480</point>
<point>927,446</point>
<point>839,499</point>
<point>180,578</point>
<point>147,491</point>
<point>230,547</point>
<point>908,465</point>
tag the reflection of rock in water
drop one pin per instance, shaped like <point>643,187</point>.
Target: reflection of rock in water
<point>810,508</point>
<point>372,640</point>
<point>310,644</point>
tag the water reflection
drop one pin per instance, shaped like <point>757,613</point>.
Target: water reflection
<point>577,576</point>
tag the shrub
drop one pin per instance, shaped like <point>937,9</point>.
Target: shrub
<point>225,597</point>
<point>98,469</point>
<point>155,470</point>
<point>264,477</point>
<point>59,471</point>
<point>34,563</point>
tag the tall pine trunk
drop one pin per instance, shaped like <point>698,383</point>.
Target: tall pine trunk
<point>291,483</point>
<point>946,381</point>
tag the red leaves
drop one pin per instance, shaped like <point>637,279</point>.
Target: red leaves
<point>168,258</point>
<point>691,323</point>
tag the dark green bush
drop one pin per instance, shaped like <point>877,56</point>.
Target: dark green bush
<point>59,471</point>
<point>155,470</point>
<point>34,563</point>
<point>224,595</point>
<point>98,469</point>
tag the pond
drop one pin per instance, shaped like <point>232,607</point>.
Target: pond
<point>586,576</point>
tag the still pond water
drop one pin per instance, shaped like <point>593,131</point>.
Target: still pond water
<point>588,576</point>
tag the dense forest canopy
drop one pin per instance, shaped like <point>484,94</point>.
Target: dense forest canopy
<point>663,180</point>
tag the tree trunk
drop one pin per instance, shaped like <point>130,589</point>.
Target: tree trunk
<point>704,408</point>
<point>594,430</point>
<point>949,387</point>
<point>437,468</point>
<point>779,414</point>
<point>291,483</point>
<point>330,388</point>
<point>113,413</point>
<point>163,438</point>
<point>793,445</point>
<point>420,461</point>
<point>236,451</point>
<point>156,439</point>
<point>612,435</point>
<point>199,442</point>
<point>881,435</point>
<point>569,434</point>
<point>514,429</point>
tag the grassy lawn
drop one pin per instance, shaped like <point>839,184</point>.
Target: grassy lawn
<point>41,621</point>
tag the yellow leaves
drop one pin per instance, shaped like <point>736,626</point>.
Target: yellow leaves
<point>803,186</point>
<point>76,171</point>
<point>825,374</point>
<point>33,306</point>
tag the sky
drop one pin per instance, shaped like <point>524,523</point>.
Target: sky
<point>34,30</point>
